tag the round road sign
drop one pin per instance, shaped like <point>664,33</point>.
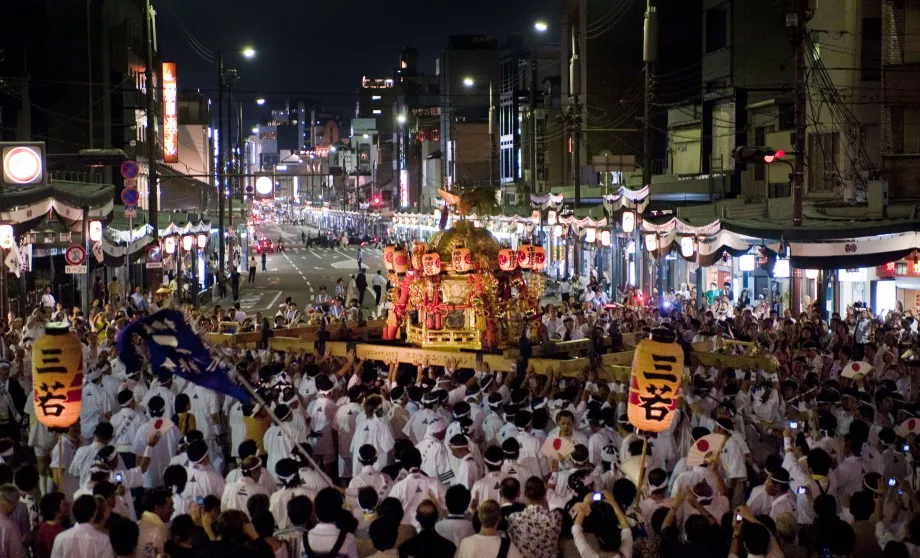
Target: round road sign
<point>75,255</point>
<point>129,169</point>
<point>154,253</point>
<point>129,195</point>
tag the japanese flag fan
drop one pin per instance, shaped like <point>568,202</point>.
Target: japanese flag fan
<point>705,449</point>
<point>558,449</point>
<point>160,425</point>
<point>909,426</point>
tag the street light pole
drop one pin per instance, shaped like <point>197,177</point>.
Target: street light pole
<point>152,190</point>
<point>221,255</point>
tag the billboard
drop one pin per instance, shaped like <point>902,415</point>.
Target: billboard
<point>170,114</point>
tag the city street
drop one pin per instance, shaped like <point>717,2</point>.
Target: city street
<point>299,272</point>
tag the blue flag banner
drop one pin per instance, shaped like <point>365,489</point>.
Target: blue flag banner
<point>174,348</point>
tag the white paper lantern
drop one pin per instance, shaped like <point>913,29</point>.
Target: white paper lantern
<point>557,231</point>
<point>590,235</point>
<point>551,217</point>
<point>629,221</point>
<point>651,242</point>
<point>95,231</point>
<point>6,237</point>
<point>781,269</point>
<point>811,273</point>
<point>187,242</point>
<point>687,246</point>
<point>202,240</point>
<point>605,238</point>
<point>169,244</point>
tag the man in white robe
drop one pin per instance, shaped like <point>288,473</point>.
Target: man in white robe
<point>236,494</point>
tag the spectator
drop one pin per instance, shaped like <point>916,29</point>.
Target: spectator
<point>598,518</point>
<point>489,541</point>
<point>327,537</point>
<point>383,533</point>
<point>264,524</point>
<point>182,530</point>
<point>158,509</point>
<point>124,539</point>
<point>55,511</point>
<point>862,504</point>
<point>428,543</point>
<point>456,527</point>
<point>535,531</point>
<point>299,514</point>
<point>11,544</point>
<point>83,540</point>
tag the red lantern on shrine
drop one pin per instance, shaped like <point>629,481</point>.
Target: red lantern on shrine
<point>462,259</point>
<point>400,261</point>
<point>388,257</point>
<point>431,264</point>
<point>507,259</point>
<point>539,258</point>
<point>525,256</point>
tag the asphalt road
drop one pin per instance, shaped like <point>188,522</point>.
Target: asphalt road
<point>299,272</point>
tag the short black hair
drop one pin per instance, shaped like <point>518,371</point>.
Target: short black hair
<point>211,503</point>
<point>368,498</point>
<point>535,489</point>
<point>756,538</point>
<point>105,489</point>
<point>624,492</point>
<point>84,508</point>
<point>257,503</point>
<point>384,532</point>
<point>300,510</point>
<point>510,488</point>
<point>458,499</point>
<point>104,431</point>
<point>50,504</point>
<point>26,478</point>
<point>862,504</point>
<point>328,505</point>
<point>411,458</point>
<point>264,523</point>
<point>182,527</point>
<point>123,534</point>
<point>155,498</point>
<point>247,448</point>
<point>175,476</point>
<point>819,462</point>
<point>391,507</point>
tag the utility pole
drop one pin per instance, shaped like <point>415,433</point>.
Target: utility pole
<point>221,191</point>
<point>650,57</point>
<point>533,122</point>
<point>573,126</point>
<point>152,190</point>
<point>796,20</point>
<point>230,160</point>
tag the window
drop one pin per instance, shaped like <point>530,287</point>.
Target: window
<point>717,28</point>
<point>822,154</point>
<point>871,49</point>
<point>911,40</point>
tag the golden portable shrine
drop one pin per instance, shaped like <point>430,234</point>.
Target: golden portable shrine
<point>462,289</point>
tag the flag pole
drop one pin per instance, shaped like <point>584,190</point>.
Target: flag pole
<point>297,446</point>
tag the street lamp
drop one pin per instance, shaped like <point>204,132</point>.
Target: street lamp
<point>247,52</point>
<point>541,26</point>
<point>260,101</point>
<point>401,119</point>
<point>255,129</point>
<point>468,82</point>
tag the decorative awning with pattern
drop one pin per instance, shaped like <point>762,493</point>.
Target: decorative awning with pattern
<point>24,208</point>
<point>118,238</point>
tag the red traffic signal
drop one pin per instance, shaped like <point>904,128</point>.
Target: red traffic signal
<point>744,154</point>
<point>376,200</point>
<point>767,158</point>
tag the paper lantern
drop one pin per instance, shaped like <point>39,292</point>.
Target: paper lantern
<point>591,235</point>
<point>605,238</point>
<point>169,244</point>
<point>525,256</point>
<point>6,237</point>
<point>57,377</point>
<point>95,231</point>
<point>507,259</point>
<point>400,261</point>
<point>187,242</point>
<point>431,263</point>
<point>651,242</point>
<point>462,259</point>
<point>557,231</point>
<point>202,240</point>
<point>687,247</point>
<point>551,218</point>
<point>629,221</point>
<point>657,369</point>
<point>539,258</point>
<point>388,257</point>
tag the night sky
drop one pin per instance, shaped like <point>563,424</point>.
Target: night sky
<point>321,49</point>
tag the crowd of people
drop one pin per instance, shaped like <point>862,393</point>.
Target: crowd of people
<point>354,458</point>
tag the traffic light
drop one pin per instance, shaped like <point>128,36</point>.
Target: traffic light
<point>744,154</point>
<point>376,200</point>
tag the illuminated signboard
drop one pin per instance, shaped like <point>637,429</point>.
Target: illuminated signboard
<point>170,114</point>
<point>404,188</point>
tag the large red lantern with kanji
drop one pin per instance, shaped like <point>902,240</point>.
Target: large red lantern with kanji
<point>400,261</point>
<point>539,258</point>
<point>507,259</point>
<point>462,259</point>
<point>525,256</point>
<point>431,264</point>
<point>388,257</point>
